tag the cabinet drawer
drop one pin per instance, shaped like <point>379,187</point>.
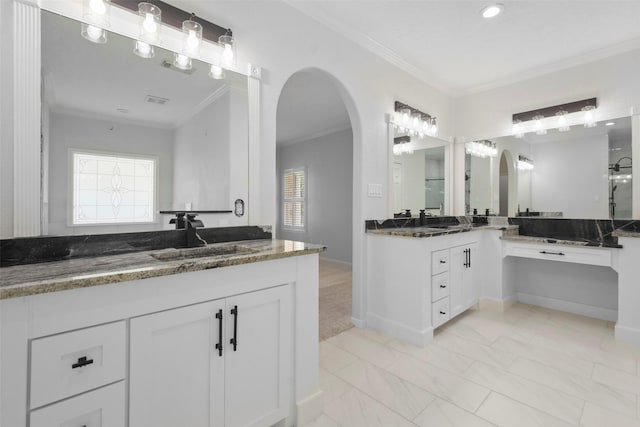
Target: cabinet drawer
<point>440,312</point>
<point>562,253</point>
<point>99,408</point>
<point>439,261</point>
<point>439,286</point>
<point>74,362</point>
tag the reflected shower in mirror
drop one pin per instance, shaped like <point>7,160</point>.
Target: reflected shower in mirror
<point>103,102</point>
<point>583,173</point>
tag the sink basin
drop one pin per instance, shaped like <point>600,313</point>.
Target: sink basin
<point>202,252</point>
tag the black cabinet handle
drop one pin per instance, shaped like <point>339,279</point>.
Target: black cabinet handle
<point>219,344</point>
<point>551,253</point>
<point>443,286</point>
<point>466,257</point>
<point>234,340</point>
<point>469,254</point>
<point>82,361</point>
<point>442,312</point>
<point>442,261</point>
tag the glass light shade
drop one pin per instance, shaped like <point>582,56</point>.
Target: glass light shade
<point>517,129</point>
<point>590,116</point>
<point>217,72</point>
<point>416,118</point>
<point>425,125</point>
<point>96,12</point>
<point>397,149</point>
<point>538,125</point>
<point>93,34</point>
<point>192,37</point>
<point>182,62</point>
<point>143,50</point>
<point>150,22</point>
<point>562,121</point>
<point>406,115</point>
<point>434,126</point>
<point>229,49</point>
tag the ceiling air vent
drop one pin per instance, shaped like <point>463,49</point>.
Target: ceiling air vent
<point>169,65</point>
<point>156,100</point>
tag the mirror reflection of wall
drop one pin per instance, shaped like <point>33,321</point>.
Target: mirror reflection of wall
<point>477,184</point>
<point>574,173</point>
<point>103,99</point>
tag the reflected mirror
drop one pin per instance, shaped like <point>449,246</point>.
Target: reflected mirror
<point>119,110</point>
<point>477,184</point>
<point>583,173</point>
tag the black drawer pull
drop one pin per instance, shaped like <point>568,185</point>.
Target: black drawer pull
<point>551,253</point>
<point>442,261</point>
<point>443,286</point>
<point>234,340</point>
<point>442,312</point>
<point>219,344</point>
<point>82,361</point>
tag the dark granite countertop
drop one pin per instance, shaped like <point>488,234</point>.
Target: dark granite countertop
<point>427,231</point>
<point>33,279</point>
<point>561,242</point>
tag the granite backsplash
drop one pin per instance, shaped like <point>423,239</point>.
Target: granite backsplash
<point>596,231</point>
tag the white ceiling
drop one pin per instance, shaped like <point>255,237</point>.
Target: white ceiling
<point>96,80</point>
<point>448,44</point>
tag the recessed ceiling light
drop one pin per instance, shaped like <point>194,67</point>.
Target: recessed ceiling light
<point>610,123</point>
<point>492,10</point>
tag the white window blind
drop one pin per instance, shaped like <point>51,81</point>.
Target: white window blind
<point>294,191</point>
<point>112,189</point>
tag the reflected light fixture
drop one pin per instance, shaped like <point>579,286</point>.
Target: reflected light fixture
<point>402,145</point>
<point>192,37</point>
<point>229,49</point>
<point>517,129</point>
<point>492,10</point>
<point>539,120</point>
<point>483,148</point>
<point>540,130</point>
<point>610,123</point>
<point>216,72</point>
<point>93,34</point>
<point>96,12</point>
<point>524,163</point>
<point>589,116</point>
<point>562,121</point>
<point>150,22</point>
<point>182,62</point>
<point>143,50</point>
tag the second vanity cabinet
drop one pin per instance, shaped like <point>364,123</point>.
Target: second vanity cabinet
<point>219,363</point>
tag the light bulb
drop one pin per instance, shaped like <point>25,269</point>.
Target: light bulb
<point>149,24</point>
<point>182,61</point>
<point>425,126</point>
<point>143,50</point>
<point>192,40</point>
<point>216,72</point>
<point>98,7</point>
<point>227,54</point>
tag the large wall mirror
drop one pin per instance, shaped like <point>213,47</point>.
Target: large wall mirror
<point>101,100</point>
<point>420,174</point>
<point>582,173</point>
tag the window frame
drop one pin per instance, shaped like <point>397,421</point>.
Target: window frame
<point>303,200</point>
<point>71,190</point>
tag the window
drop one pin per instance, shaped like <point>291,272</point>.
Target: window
<point>293,196</point>
<point>112,188</point>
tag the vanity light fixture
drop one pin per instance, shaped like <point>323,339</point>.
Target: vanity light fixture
<point>492,10</point>
<point>216,72</point>
<point>412,121</point>
<point>540,119</point>
<point>524,163</point>
<point>93,34</point>
<point>96,12</point>
<point>182,62</point>
<point>402,145</point>
<point>143,50</point>
<point>192,37</point>
<point>483,148</point>
<point>150,22</point>
<point>229,49</point>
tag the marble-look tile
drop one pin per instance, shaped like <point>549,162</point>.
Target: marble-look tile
<point>473,350</point>
<point>332,386</point>
<point>369,350</point>
<point>546,399</point>
<point>505,412</point>
<point>444,384</point>
<point>437,356</point>
<point>616,378</point>
<point>372,335</point>
<point>481,330</point>
<point>333,358</point>
<point>547,356</point>
<point>578,386</point>
<point>356,409</point>
<point>399,395</point>
<point>441,413</point>
<point>323,421</point>
<point>596,416</point>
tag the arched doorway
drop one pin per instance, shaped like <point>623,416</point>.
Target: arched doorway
<point>507,186</point>
<point>314,166</point>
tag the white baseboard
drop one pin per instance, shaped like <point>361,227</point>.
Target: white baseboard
<point>309,408</point>
<point>626,334</point>
<point>571,307</point>
<point>400,331</point>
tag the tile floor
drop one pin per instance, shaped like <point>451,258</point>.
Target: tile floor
<point>528,366</point>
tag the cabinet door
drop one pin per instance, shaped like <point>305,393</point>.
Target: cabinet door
<point>457,273</point>
<point>176,372</point>
<point>471,287</point>
<point>257,383</point>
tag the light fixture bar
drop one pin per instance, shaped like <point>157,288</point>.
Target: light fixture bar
<point>174,17</point>
<point>572,107</point>
<point>399,106</point>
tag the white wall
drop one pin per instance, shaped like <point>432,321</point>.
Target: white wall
<point>480,184</point>
<point>571,177</point>
<point>67,131</point>
<point>412,179</point>
<point>6,120</point>
<point>329,163</point>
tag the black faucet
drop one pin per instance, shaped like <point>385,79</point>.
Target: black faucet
<point>189,224</point>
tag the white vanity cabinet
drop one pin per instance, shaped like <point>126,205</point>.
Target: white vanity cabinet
<point>465,289</point>
<point>219,363</point>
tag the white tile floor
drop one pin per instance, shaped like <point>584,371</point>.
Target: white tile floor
<point>528,366</point>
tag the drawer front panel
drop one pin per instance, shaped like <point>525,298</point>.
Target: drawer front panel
<point>439,286</point>
<point>440,312</point>
<point>562,253</point>
<point>439,261</point>
<point>74,362</point>
<point>99,408</point>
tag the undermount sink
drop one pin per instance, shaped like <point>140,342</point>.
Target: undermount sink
<point>202,252</point>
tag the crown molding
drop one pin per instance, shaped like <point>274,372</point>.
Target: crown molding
<point>289,142</point>
<point>201,106</point>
